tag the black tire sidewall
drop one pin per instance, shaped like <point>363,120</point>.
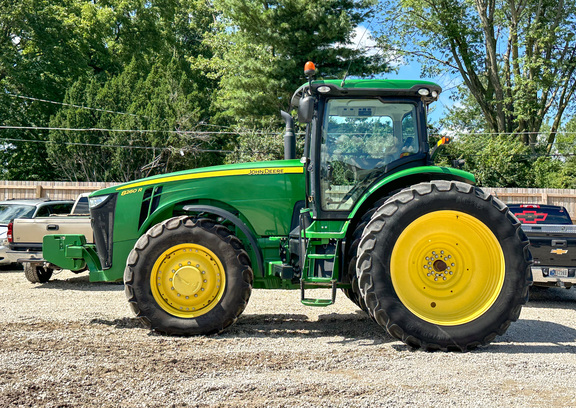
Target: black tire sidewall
<point>382,298</point>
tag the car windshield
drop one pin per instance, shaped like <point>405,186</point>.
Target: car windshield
<point>360,137</point>
<point>9,212</point>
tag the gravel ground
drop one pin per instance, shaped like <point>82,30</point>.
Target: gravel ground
<point>73,343</point>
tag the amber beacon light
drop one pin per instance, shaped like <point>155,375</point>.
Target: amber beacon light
<point>309,69</point>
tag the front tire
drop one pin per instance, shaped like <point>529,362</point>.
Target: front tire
<point>188,277</point>
<point>443,265</point>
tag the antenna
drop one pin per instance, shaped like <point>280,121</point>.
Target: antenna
<point>356,49</point>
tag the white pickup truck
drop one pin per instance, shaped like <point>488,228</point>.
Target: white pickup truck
<point>25,238</point>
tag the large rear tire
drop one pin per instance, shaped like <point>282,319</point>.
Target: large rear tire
<point>188,277</point>
<point>353,293</point>
<point>442,265</point>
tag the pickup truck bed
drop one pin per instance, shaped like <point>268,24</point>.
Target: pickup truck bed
<point>552,243</point>
<point>25,238</point>
<point>553,249</point>
<point>27,234</point>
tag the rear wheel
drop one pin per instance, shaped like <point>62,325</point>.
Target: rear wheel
<point>37,273</point>
<point>188,277</point>
<point>443,265</point>
<point>353,293</point>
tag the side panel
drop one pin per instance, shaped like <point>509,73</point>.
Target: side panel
<point>263,196</point>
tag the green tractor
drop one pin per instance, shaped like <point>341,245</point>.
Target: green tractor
<point>430,257</point>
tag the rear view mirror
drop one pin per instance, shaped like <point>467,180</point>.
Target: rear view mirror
<point>306,109</point>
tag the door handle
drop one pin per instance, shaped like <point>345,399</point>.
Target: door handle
<point>52,227</point>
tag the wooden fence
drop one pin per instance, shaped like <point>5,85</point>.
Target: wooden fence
<point>58,190</point>
<point>54,190</point>
<point>553,196</point>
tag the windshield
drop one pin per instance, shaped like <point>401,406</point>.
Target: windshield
<point>9,212</point>
<point>359,138</point>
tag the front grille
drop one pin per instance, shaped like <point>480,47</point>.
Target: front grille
<point>103,226</point>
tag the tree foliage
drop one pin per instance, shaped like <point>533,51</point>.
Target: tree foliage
<point>165,102</point>
<point>82,52</point>
<point>262,46</point>
<point>517,58</point>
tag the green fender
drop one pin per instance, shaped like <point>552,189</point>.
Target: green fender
<point>409,177</point>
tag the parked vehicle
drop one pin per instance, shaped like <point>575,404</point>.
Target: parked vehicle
<point>434,260</point>
<point>16,209</point>
<point>552,243</point>
<point>25,238</point>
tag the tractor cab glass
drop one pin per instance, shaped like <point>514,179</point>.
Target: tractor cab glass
<point>359,139</point>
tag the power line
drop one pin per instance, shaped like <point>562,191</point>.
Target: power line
<point>113,146</point>
<point>179,132</point>
<point>201,123</point>
<point>73,105</point>
<point>461,133</point>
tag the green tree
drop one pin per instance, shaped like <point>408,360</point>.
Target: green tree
<point>495,161</point>
<point>164,102</point>
<point>517,58</point>
<point>263,45</point>
<point>47,45</point>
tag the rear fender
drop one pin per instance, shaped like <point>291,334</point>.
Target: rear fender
<point>402,180</point>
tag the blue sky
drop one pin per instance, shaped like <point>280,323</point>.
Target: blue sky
<point>439,108</point>
<point>411,70</point>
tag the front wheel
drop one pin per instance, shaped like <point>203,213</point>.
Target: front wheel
<point>443,265</point>
<point>188,277</point>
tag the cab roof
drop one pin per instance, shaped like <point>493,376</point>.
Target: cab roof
<point>372,87</point>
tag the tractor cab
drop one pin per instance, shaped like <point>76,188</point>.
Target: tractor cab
<point>358,132</point>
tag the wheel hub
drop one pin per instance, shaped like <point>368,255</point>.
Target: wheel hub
<point>447,267</point>
<point>187,280</point>
<point>439,266</point>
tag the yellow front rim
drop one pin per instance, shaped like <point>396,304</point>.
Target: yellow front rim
<point>187,280</point>
<point>447,268</point>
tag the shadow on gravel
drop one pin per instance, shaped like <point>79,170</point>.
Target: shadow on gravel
<point>535,336</point>
<point>123,323</point>
<point>81,283</point>
<point>556,298</point>
<point>352,326</point>
<point>17,268</point>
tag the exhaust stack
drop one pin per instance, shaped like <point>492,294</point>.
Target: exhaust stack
<point>289,137</point>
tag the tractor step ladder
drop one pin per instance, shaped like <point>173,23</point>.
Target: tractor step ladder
<point>308,278</point>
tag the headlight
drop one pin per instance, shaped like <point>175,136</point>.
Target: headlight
<point>96,201</point>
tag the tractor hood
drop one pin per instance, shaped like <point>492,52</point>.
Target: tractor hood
<point>213,172</point>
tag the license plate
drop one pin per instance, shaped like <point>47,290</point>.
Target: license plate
<point>559,272</point>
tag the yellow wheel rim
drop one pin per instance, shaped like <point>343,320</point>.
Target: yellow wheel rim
<point>187,280</point>
<point>447,268</point>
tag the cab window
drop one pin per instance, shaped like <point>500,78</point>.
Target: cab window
<point>360,137</point>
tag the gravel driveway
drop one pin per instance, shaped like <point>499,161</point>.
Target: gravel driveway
<point>71,343</point>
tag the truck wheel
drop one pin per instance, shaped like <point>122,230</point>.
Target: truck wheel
<point>188,277</point>
<point>443,265</point>
<point>37,273</point>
